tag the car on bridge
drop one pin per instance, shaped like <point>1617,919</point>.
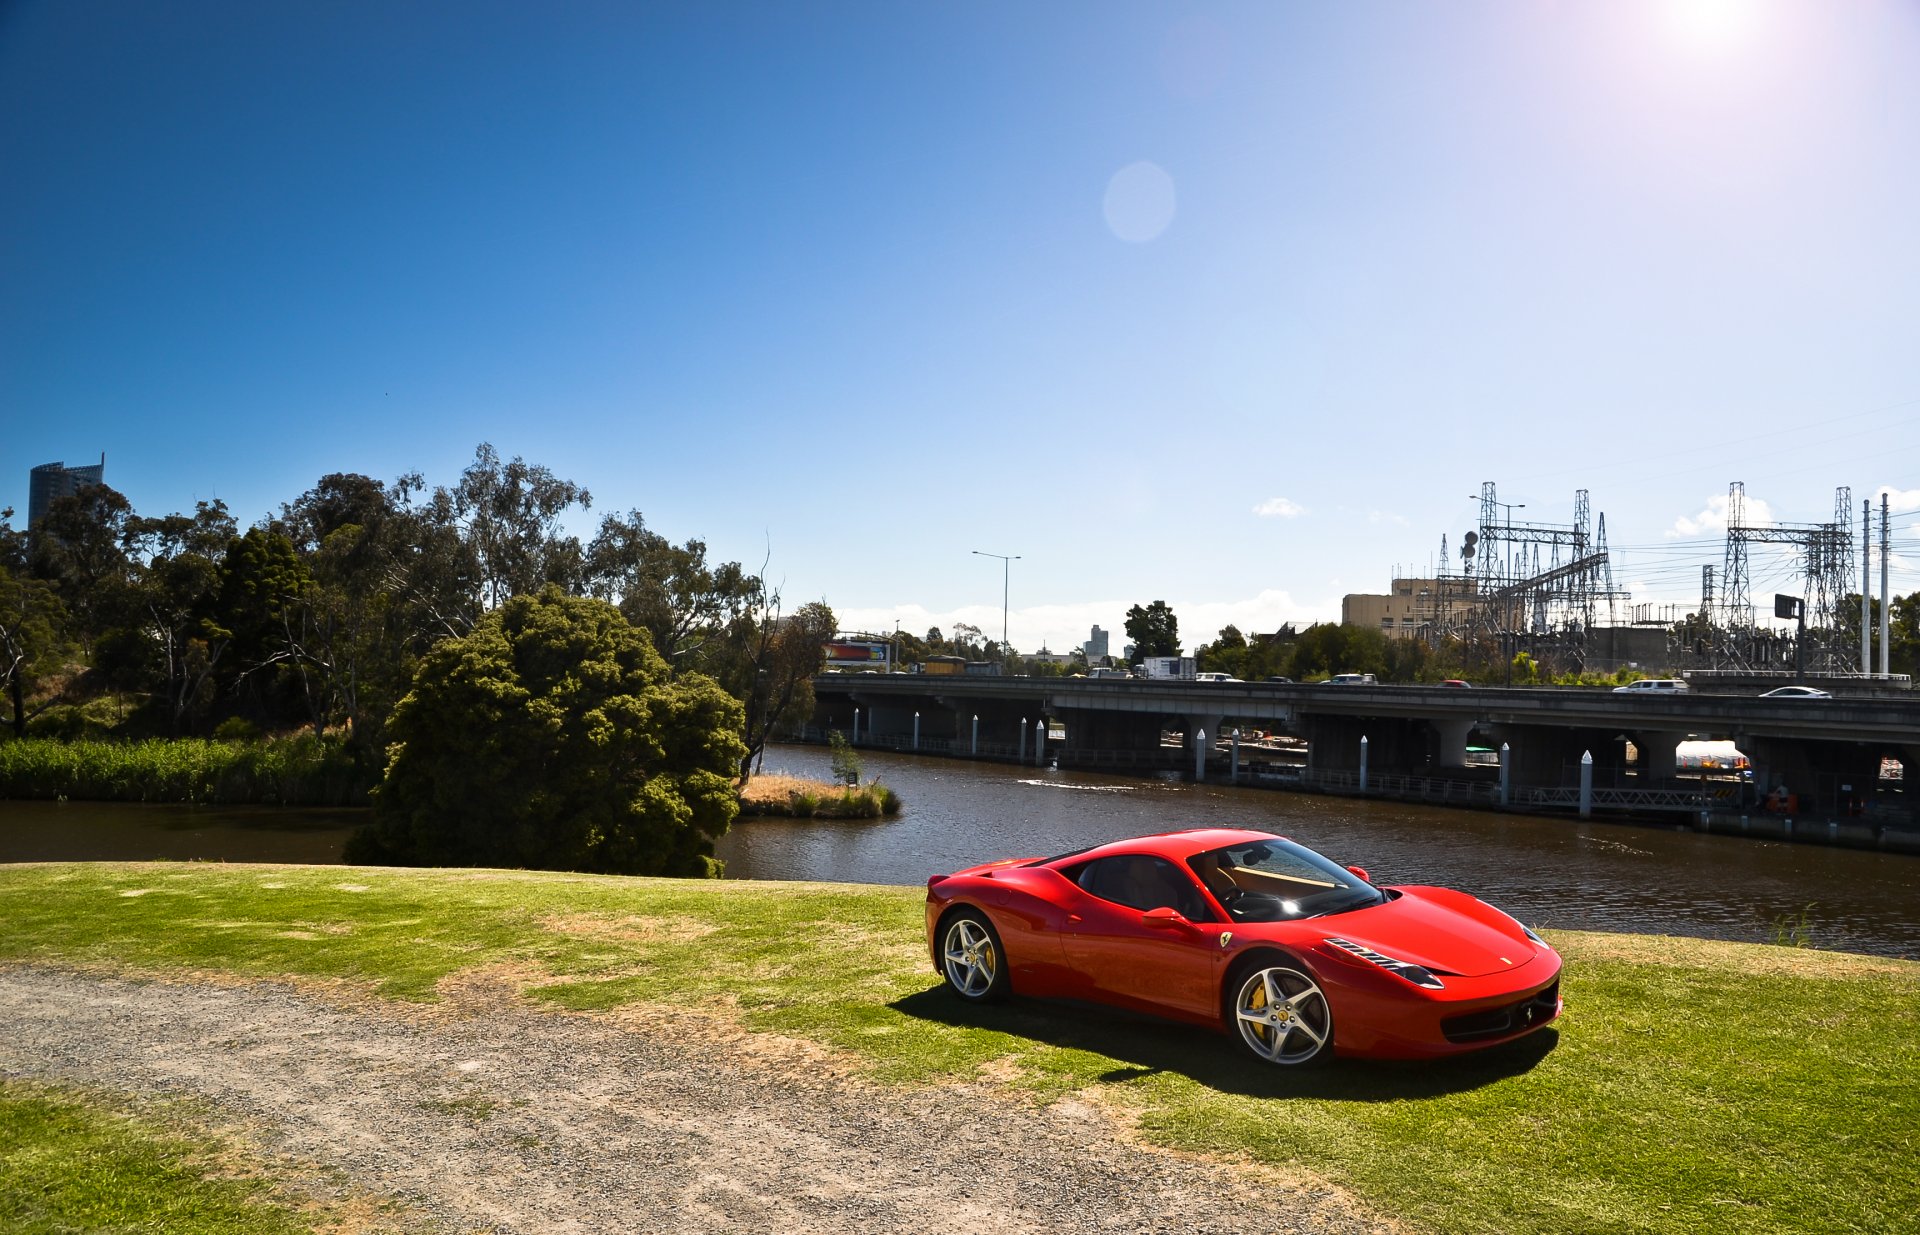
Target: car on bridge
<point>1352,679</point>
<point>1796,692</point>
<point>1651,686</point>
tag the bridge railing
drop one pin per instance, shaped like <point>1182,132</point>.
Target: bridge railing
<point>1441,789</point>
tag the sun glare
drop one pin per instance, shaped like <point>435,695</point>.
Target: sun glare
<point>1711,26</point>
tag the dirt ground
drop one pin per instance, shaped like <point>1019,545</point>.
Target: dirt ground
<point>484,1115</point>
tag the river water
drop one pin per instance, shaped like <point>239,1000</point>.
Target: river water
<point>1552,872</point>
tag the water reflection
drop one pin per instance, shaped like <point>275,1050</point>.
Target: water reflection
<point>133,832</point>
<point>1550,871</point>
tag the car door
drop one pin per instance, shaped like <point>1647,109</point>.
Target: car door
<point>1124,959</point>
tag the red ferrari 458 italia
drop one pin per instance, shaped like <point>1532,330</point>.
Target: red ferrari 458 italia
<point>1294,956</point>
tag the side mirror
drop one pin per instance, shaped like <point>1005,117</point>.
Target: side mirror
<point>1165,918</point>
<point>1360,873</point>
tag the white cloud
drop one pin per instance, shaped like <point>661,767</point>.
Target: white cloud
<point>1386,516</point>
<point>1713,517</point>
<point>1064,627</point>
<point>1280,507</point>
<point>1899,501</point>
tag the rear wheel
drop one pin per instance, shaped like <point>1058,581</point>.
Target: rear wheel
<point>1281,1016</point>
<point>971,957</point>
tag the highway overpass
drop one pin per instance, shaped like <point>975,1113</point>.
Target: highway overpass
<point>1827,751</point>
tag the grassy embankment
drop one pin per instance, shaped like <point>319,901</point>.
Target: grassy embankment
<point>799,797</point>
<point>1691,1085</point>
<point>296,770</point>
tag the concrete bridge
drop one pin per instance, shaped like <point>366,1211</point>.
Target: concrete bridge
<point>1826,751</point>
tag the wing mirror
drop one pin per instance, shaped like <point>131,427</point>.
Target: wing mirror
<point>1360,873</point>
<point>1165,918</point>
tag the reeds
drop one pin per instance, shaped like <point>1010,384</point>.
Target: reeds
<point>301,770</point>
<point>797,797</point>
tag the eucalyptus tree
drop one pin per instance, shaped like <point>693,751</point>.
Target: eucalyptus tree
<point>668,590</point>
<point>176,581</point>
<point>508,515</point>
<point>81,546</point>
<point>31,620</point>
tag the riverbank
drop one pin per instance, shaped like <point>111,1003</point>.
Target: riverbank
<point>1638,1108</point>
<point>294,770</point>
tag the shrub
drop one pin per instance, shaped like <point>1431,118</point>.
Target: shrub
<point>553,736</point>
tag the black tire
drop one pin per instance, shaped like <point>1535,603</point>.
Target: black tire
<point>1279,1014</point>
<point>971,958</point>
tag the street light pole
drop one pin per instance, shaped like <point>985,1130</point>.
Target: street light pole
<point>1006,578</point>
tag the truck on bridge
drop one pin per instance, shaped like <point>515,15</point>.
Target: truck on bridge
<point>1169,668</point>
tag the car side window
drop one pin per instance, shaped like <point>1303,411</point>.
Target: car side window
<point>1142,881</point>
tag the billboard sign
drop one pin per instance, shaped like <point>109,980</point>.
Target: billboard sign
<point>842,652</point>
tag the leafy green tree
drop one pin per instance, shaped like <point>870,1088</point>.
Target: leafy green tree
<point>177,579</point>
<point>266,600</point>
<point>1226,654</point>
<point>768,664</point>
<point>81,545</point>
<point>669,589</point>
<point>509,516</point>
<point>31,619</point>
<point>554,737</point>
<point>1903,627</point>
<point>1327,648</point>
<point>845,759</point>
<point>1154,630</point>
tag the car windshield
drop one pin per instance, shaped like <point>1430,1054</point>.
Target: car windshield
<point>1276,881</point>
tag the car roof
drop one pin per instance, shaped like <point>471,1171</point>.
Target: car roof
<point>1176,845</point>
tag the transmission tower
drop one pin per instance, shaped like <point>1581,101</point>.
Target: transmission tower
<point>1542,580</point>
<point>1825,552</point>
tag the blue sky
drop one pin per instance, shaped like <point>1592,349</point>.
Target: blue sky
<point>873,286</point>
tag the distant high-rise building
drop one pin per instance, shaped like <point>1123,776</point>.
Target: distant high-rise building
<point>52,481</point>
<point>1096,647</point>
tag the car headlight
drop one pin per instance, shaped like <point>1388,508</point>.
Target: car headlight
<point>1527,930</point>
<point>1416,974</point>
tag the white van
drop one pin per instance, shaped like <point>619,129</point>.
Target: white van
<point>1651,686</point>
<point>1352,679</point>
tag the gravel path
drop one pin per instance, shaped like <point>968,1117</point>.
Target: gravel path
<point>528,1121</point>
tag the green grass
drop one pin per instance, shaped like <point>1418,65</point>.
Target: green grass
<point>1691,1085</point>
<point>66,1165</point>
<point>297,770</point>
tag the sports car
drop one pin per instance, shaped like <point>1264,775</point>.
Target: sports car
<point>1292,955</point>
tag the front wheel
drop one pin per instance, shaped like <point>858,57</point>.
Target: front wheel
<point>971,958</point>
<point>1282,1016</point>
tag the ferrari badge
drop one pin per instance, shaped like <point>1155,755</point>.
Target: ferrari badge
<point>1226,937</point>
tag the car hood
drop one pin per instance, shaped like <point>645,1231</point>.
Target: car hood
<point>1439,929</point>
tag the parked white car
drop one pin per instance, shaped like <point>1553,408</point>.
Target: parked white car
<point>1651,686</point>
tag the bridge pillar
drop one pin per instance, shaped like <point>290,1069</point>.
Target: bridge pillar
<point>1659,753</point>
<point>1831,780</point>
<point>1089,730</point>
<point>1202,729</point>
<point>1395,746</point>
<point>1544,756</point>
<point>1452,737</point>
